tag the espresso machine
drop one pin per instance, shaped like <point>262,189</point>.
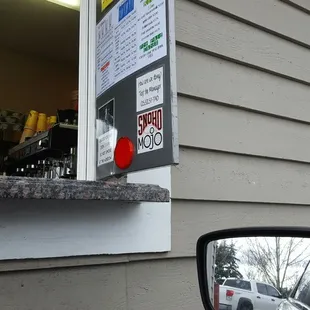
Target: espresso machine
<point>51,154</point>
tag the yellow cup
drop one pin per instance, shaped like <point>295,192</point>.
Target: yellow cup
<point>41,124</point>
<point>48,122</point>
<point>30,126</point>
<point>53,121</point>
<point>32,120</point>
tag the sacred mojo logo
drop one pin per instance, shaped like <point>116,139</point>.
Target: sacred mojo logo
<point>150,131</point>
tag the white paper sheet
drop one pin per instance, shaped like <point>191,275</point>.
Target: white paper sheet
<point>131,36</point>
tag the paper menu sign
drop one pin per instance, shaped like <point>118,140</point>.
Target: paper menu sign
<point>129,37</point>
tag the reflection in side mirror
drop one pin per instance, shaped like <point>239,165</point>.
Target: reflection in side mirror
<point>253,269</point>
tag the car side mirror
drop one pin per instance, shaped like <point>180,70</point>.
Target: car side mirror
<point>235,263</point>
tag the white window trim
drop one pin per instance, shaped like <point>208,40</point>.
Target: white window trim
<point>91,119</point>
<point>86,168</point>
<point>83,91</point>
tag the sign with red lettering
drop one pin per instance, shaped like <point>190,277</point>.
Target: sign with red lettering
<point>150,131</point>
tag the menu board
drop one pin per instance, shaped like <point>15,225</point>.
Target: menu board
<point>130,36</point>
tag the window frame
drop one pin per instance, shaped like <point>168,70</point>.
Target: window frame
<point>257,283</point>
<point>83,91</point>
<point>241,280</point>
<point>91,98</point>
<point>86,148</point>
<point>278,296</point>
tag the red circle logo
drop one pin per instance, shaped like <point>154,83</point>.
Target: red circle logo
<point>123,153</point>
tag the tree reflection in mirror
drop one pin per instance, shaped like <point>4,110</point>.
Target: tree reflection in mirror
<point>258,273</point>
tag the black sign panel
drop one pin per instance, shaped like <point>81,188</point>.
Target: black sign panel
<point>136,124</point>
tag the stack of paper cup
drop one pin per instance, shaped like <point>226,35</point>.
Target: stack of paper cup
<point>41,124</point>
<point>48,122</point>
<point>30,126</point>
<point>53,121</point>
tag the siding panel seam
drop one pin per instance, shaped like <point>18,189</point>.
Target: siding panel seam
<point>296,6</point>
<point>176,199</point>
<point>234,106</point>
<point>245,21</point>
<point>239,62</point>
<point>184,146</point>
<point>12,266</point>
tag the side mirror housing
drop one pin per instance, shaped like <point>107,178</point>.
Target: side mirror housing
<point>212,246</point>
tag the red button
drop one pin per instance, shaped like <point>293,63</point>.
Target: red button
<point>123,153</point>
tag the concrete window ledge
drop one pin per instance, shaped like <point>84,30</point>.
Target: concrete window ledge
<point>35,188</point>
<point>48,219</point>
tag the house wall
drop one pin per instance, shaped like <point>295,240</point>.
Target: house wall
<point>134,282</point>
<point>244,112</point>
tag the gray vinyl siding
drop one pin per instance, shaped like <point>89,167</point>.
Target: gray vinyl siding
<point>225,36</point>
<point>273,16</point>
<point>244,102</point>
<point>152,285</point>
<point>243,75</point>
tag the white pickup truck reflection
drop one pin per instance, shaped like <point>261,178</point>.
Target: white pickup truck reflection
<point>240,294</point>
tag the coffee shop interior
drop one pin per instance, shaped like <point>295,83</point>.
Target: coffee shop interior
<point>39,61</point>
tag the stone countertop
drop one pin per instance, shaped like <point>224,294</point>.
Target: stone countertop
<point>35,188</point>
